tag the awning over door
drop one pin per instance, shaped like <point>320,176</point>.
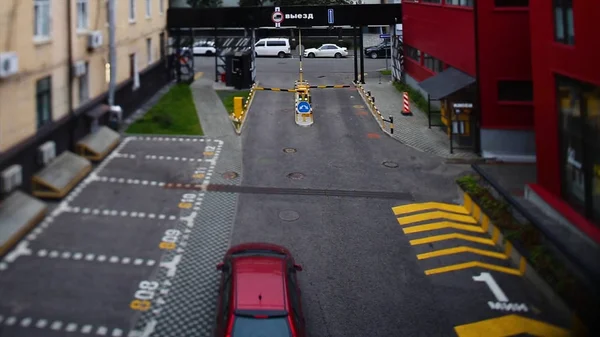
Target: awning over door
<point>446,83</point>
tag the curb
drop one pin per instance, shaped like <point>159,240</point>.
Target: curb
<point>246,108</point>
<point>526,270</point>
<point>373,109</point>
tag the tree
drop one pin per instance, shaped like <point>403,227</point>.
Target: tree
<point>205,3</point>
<point>249,3</point>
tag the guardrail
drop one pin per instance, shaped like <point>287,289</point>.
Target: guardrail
<point>583,276</point>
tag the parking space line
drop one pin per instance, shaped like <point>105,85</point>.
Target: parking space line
<point>169,158</point>
<point>129,181</point>
<point>427,206</point>
<point>405,220</point>
<point>78,256</point>
<point>114,212</point>
<point>462,249</point>
<point>56,325</point>
<point>441,225</point>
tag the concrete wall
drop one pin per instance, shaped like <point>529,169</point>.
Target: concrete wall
<point>43,57</point>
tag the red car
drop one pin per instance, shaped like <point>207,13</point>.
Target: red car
<point>259,293</point>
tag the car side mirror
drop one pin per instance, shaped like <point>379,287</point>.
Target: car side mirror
<point>220,266</point>
<point>298,267</point>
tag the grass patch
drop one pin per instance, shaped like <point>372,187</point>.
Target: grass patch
<point>530,243</point>
<point>174,114</point>
<point>385,72</point>
<point>227,97</point>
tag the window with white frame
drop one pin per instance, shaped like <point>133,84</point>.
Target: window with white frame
<point>148,8</point>
<point>83,14</point>
<point>161,6</point>
<point>41,18</point>
<point>84,85</point>
<point>132,10</point>
<point>149,50</point>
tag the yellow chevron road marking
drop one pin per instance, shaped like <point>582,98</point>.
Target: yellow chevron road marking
<point>462,249</point>
<point>510,325</point>
<point>429,205</point>
<point>459,236</point>
<point>405,220</point>
<point>473,264</point>
<point>442,225</point>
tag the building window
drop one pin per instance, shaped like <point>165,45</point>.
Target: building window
<point>515,91</point>
<point>432,63</point>
<point>563,21</point>
<point>432,1</point>
<point>149,50</point>
<point>579,111</point>
<point>43,98</point>
<point>162,45</point>
<point>133,71</point>
<point>148,8</point>
<point>511,3</point>
<point>161,6</point>
<point>41,18</point>
<point>84,85</point>
<point>82,14</point>
<point>465,3</point>
<point>132,10</point>
<point>412,53</point>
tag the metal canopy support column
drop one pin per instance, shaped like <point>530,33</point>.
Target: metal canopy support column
<point>217,52</point>
<point>362,57</point>
<point>253,55</point>
<point>178,56</point>
<point>355,44</point>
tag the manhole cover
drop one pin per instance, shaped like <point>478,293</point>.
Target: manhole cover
<point>230,175</point>
<point>289,215</point>
<point>289,150</point>
<point>296,175</point>
<point>390,164</point>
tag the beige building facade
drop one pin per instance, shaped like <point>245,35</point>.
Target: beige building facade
<point>35,51</point>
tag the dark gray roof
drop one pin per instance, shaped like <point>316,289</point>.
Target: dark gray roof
<point>446,83</point>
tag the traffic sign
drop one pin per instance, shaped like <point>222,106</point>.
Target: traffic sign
<point>384,36</point>
<point>330,16</point>
<point>277,17</point>
<point>303,107</point>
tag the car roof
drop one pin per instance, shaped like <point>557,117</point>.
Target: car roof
<point>259,275</point>
<point>274,38</point>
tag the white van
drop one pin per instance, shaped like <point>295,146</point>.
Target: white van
<point>276,46</point>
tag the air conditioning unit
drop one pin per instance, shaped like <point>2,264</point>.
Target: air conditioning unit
<point>9,64</point>
<point>95,39</point>
<point>12,177</point>
<point>46,152</point>
<point>79,68</point>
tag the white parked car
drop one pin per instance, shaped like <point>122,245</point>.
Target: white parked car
<point>204,48</point>
<point>327,50</point>
<point>273,46</point>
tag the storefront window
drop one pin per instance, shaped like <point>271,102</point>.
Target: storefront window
<point>579,109</point>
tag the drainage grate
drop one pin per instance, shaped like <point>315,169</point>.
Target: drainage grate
<point>390,164</point>
<point>230,175</point>
<point>290,150</point>
<point>295,191</point>
<point>296,176</point>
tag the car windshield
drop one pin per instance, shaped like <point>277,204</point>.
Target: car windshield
<point>252,327</point>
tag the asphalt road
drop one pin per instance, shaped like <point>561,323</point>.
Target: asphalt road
<point>361,276</point>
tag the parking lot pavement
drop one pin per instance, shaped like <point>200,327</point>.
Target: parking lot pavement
<point>123,245</point>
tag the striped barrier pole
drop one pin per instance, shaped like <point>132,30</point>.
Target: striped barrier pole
<point>406,104</point>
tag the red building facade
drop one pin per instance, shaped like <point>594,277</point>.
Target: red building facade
<point>537,68</point>
<point>493,47</point>
<point>566,74</point>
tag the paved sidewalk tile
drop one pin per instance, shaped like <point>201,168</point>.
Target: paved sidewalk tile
<point>413,130</point>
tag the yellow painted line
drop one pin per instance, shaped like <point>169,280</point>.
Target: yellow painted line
<point>185,205</point>
<point>429,205</point>
<point>460,250</point>
<point>473,264</point>
<point>459,236</point>
<point>510,325</point>
<point>198,75</point>
<point>405,220</point>
<point>442,225</point>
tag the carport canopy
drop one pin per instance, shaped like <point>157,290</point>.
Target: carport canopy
<point>446,83</point>
<point>19,212</point>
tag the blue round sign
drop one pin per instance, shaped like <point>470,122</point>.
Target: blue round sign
<point>303,107</point>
